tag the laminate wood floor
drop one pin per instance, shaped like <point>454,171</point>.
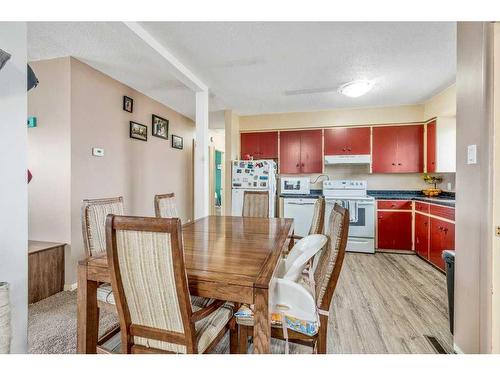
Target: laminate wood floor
<point>388,303</point>
<point>384,303</point>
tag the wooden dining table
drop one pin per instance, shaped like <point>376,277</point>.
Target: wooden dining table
<point>227,257</point>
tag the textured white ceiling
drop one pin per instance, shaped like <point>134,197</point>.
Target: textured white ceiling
<point>257,67</point>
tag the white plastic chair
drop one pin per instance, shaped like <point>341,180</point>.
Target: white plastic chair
<point>303,251</point>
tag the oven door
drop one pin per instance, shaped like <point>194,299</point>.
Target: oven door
<point>362,215</point>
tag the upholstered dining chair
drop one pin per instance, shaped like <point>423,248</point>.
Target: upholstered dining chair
<point>166,205</point>
<point>326,275</point>
<point>149,281</point>
<point>94,212</point>
<point>256,204</point>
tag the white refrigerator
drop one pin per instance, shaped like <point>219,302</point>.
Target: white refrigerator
<point>258,175</point>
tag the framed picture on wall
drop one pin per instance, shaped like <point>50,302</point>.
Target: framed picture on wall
<point>128,104</point>
<point>159,127</point>
<point>177,142</point>
<point>138,131</point>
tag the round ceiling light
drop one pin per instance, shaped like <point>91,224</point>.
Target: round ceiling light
<point>357,88</point>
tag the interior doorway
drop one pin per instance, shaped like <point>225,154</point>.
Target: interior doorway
<point>218,181</point>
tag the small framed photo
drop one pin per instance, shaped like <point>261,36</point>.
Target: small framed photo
<point>159,127</point>
<point>138,131</point>
<point>177,142</point>
<point>128,104</point>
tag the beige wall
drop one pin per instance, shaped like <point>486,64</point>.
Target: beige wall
<point>135,169</point>
<point>496,195</point>
<point>473,207</point>
<point>337,117</point>
<point>442,104</point>
<point>232,151</point>
<point>49,153</point>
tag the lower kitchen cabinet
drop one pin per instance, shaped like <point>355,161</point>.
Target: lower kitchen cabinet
<point>394,230</point>
<point>442,237</point>
<point>422,235</point>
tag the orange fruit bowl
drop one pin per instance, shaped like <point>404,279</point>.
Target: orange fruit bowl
<point>431,192</point>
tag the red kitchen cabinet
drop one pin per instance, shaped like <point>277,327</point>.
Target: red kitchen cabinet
<point>311,151</point>
<point>422,235</point>
<point>431,147</point>
<point>301,152</point>
<point>347,141</point>
<point>384,150</point>
<point>398,149</point>
<point>394,230</point>
<point>442,237</point>
<point>260,145</point>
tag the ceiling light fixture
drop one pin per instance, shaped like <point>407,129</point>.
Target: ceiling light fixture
<point>357,88</point>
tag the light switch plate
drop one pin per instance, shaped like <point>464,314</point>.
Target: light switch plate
<point>472,154</point>
<point>97,151</point>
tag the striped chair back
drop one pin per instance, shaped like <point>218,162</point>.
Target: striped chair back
<point>318,220</point>
<point>330,260</point>
<point>166,205</point>
<point>256,204</point>
<point>94,212</point>
<point>150,284</point>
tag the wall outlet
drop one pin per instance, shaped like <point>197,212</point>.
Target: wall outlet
<point>472,154</point>
<point>97,151</point>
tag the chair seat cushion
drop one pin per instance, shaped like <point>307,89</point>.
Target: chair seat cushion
<point>208,328</point>
<point>105,294</point>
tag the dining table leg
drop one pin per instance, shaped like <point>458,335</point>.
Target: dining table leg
<point>262,322</point>
<point>87,313</point>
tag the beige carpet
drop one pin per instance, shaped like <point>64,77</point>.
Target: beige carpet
<point>52,324</point>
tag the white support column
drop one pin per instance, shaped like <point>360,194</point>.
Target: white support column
<point>201,188</point>
<point>176,68</point>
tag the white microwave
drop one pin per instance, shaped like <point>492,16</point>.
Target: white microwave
<point>295,185</point>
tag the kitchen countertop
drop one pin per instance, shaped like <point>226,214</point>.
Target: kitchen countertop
<point>445,199</point>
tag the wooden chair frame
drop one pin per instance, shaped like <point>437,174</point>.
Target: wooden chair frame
<point>158,198</point>
<point>129,330</point>
<point>248,192</point>
<point>318,341</point>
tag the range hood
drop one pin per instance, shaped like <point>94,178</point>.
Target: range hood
<point>348,159</point>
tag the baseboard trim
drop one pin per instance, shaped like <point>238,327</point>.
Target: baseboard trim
<point>70,287</point>
<point>457,349</point>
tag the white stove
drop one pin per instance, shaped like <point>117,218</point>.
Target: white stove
<point>351,194</point>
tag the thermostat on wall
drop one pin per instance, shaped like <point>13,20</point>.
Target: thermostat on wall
<point>97,151</point>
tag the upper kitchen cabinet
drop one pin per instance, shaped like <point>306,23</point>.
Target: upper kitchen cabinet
<point>347,141</point>
<point>260,145</point>
<point>441,145</point>
<point>301,151</point>
<point>398,149</point>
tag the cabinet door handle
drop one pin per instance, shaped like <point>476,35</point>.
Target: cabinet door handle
<point>343,149</point>
<point>302,165</point>
<point>393,163</point>
<point>297,165</point>
<point>348,149</point>
<point>393,205</point>
<point>399,163</point>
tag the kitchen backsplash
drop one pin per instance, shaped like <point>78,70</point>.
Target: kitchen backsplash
<point>395,181</point>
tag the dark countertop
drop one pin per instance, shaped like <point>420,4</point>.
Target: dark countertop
<point>445,198</point>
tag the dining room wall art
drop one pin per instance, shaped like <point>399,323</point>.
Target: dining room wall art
<point>159,127</point>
